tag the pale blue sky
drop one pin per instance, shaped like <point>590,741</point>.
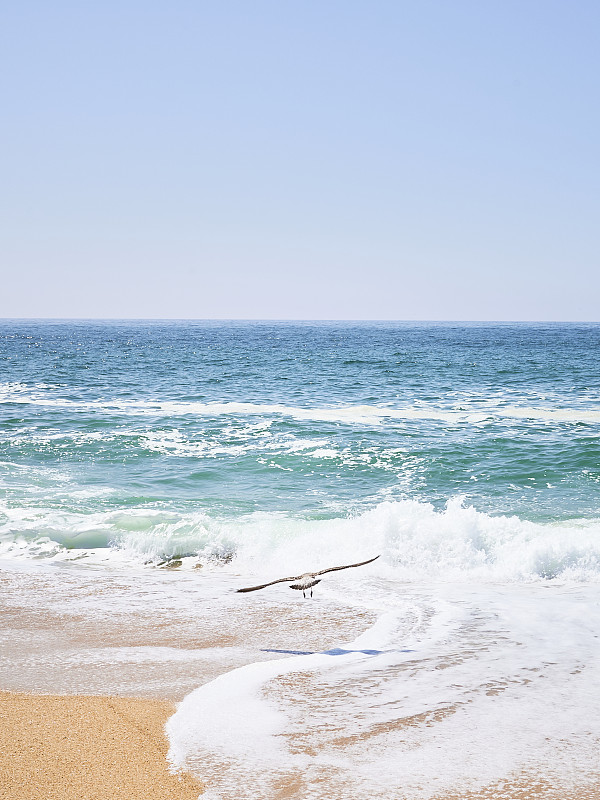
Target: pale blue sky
<point>338,160</point>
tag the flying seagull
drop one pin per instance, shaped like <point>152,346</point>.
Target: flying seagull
<point>306,581</point>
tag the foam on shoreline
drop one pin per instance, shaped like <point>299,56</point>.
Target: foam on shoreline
<point>374,687</point>
<point>449,692</point>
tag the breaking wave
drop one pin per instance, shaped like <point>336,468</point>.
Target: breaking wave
<point>416,541</point>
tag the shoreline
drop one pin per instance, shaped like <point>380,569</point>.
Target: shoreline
<point>99,658</point>
<point>69,747</point>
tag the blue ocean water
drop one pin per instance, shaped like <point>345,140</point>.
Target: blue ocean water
<point>466,455</point>
<point>178,438</point>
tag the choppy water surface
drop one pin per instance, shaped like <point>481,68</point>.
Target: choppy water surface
<point>467,455</point>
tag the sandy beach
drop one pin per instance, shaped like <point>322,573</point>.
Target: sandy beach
<point>75,747</point>
<point>86,747</point>
<point>93,662</point>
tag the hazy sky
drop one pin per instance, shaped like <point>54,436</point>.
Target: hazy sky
<point>314,159</point>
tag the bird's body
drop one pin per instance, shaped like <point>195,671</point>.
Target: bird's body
<point>307,580</point>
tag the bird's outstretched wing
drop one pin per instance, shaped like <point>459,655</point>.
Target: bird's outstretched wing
<point>263,585</point>
<point>346,566</point>
<point>297,577</point>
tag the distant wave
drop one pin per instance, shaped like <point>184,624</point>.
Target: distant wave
<point>479,412</point>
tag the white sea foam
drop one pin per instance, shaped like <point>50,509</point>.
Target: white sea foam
<point>447,692</point>
<point>477,411</point>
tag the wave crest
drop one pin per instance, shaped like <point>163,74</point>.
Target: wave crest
<point>417,542</point>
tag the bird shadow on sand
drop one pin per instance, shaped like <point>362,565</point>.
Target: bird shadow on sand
<point>336,651</point>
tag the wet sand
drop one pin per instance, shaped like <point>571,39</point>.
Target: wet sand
<point>76,747</point>
<point>73,632</point>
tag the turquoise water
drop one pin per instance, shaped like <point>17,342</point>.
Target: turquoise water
<point>183,432</point>
<point>466,456</point>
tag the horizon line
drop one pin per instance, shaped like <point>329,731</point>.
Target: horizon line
<point>304,320</point>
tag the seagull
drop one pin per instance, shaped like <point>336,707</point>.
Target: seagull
<point>307,580</point>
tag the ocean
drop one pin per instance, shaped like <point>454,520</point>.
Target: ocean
<point>150,469</point>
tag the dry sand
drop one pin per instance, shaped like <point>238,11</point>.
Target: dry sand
<point>86,748</point>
